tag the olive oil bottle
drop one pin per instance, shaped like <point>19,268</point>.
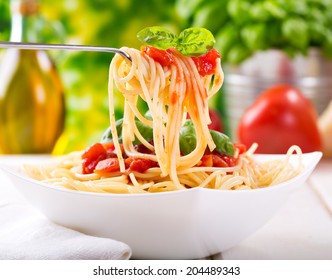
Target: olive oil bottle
<point>32,106</point>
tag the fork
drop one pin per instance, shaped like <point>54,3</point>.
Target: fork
<point>39,46</point>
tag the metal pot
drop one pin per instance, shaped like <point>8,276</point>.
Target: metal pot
<point>312,74</point>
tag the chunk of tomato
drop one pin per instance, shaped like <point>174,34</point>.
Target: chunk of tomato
<point>240,147</point>
<point>230,161</point>
<point>109,146</point>
<point>206,64</point>
<point>206,161</point>
<point>93,151</point>
<point>91,156</point>
<point>217,160</point>
<point>141,165</point>
<point>164,57</point>
<point>106,166</point>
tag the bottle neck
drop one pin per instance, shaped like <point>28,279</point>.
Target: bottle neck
<point>22,23</point>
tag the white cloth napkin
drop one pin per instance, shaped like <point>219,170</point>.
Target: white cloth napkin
<point>27,235</point>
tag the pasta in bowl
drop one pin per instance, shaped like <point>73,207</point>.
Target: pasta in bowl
<point>162,181</point>
<point>185,224</point>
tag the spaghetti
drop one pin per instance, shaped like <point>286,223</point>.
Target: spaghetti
<point>174,87</point>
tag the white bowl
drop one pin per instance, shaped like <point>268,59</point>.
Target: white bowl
<point>186,224</point>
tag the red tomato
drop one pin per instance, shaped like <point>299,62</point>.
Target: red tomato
<point>94,151</point>
<point>109,146</point>
<point>217,160</point>
<point>206,160</point>
<point>216,122</point>
<point>206,64</point>
<point>91,156</point>
<point>229,160</point>
<point>164,57</point>
<point>141,165</point>
<point>241,147</point>
<point>279,118</point>
<point>108,165</point>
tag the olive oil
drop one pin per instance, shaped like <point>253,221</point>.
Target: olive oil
<point>32,106</point>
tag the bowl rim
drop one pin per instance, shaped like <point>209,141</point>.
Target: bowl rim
<point>316,156</point>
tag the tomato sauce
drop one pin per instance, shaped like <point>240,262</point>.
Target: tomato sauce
<point>216,159</point>
<point>164,57</point>
<point>206,64</point>
<point>102,159</point>
<point>91,156</point>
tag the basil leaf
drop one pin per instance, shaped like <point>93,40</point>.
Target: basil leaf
<point>195,41</point>
<point>188,140</point>
<point>145,130</point>
<point>238,53</point>
<point>211,16</point>
<point>108,137</point>
<point>158,37</point>
<point>187,137</point>
<point>239,11</point>
<point>276,10</point>
<point>185,8</point>
<point>226,39</point>
<point>317,31</point>
<point>255,36</point>
<point>223,143</point>
<point>258,12</point>
<point>295,30</point>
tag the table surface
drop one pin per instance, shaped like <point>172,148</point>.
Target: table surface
<point>301,229</point>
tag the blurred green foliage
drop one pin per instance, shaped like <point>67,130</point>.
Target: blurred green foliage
<point>242,27</point>
<point>85,74</point>
<point>4,20</point>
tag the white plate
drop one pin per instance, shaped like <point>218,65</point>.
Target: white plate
<point>185,224</point>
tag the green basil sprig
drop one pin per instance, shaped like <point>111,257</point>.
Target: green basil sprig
<point>158,37</point>
<point>187,140</point>
<point>194,41</point>
<point>145,130</point>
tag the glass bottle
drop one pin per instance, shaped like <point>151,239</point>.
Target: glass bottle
<point>32,106</point>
